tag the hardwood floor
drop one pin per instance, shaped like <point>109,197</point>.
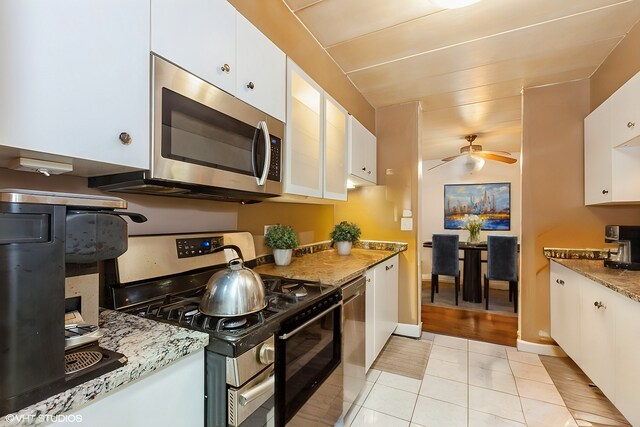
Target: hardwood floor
<point>586,403</point>
<point>476,325</point>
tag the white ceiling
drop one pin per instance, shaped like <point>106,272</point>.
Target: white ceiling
<point>467,66</point>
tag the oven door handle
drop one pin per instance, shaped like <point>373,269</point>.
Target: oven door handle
<point>267,152</point>
<point>308,322</point>
<point>253,393</point>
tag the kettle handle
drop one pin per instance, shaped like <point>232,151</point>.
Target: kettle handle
<point>234,247</point>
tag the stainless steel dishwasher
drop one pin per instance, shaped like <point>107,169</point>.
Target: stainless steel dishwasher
<point>353,339</point>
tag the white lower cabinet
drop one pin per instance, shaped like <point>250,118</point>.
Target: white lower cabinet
<point>142,404</point>
<point>598,328</point>
<point>381,307</point>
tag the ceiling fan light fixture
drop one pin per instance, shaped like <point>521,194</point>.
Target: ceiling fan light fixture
<point>453,4</point>
<point>473,164</point>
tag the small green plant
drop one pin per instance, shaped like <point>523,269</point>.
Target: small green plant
<point>281,237</point>
<point>345,232</point>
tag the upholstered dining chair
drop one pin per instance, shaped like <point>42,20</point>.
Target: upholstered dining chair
<point>502,264</point>
<point>444,261</point>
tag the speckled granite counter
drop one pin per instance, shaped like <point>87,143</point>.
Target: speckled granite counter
<point>330,268</point>
<point>624,282</point>
<point>148,345</point>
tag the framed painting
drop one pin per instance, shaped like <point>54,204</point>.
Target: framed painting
<point>491,202</point>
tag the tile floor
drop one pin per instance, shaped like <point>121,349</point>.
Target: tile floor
<point>466,383</point>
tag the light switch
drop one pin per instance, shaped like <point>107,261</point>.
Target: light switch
<point>406,224</point>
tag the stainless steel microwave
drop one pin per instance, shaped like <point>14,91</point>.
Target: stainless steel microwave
<point>205,143</point>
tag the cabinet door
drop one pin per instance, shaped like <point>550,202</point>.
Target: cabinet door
<point>261,73</point>
<point>565,309</point>
<point>304,134</point>
<point>597,336</point>
<point>74,76</point>
<point>335,150</point>
<point>380,310</point>
<point>362,152</point>
<point>370,319</point>
<point>199,36</point>
<point>597,156</point>
<point>625,112</point>
<point>391,279</point>
<point>627,351</point>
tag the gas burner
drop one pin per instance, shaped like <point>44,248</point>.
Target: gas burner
<point>232,323</point>
<point>296,289</point>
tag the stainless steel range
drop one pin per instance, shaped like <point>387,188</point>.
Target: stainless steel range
<point>164,277</point>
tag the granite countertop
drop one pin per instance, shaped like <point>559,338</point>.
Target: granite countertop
<point>149,345</point>
<point>328,267</point>
<point>625,282</point>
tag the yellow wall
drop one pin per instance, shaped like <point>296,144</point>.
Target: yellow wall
<point>312,223</point>
<point>620,66</point>
<point>277,22</point>
<point>377,210</point>
<point>553,211</point>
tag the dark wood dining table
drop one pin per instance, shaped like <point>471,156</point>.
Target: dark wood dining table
<point>471,270</point>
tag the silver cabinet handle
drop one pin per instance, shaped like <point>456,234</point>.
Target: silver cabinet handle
<point>560,282</point>
<point>605,191</point>
<point>251,86</point>
<point>257,391</point>
<point>389,267</point>
<point>267,153</point>
<point>226,68</point>
<point>308,322</point>
<point>599,305</point>
<point>125,138</point>
<point>630,124</point>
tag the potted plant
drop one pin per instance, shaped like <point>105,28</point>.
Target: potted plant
<point>282,239</point>
<point>343,235</point>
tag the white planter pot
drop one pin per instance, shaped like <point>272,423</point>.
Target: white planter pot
<point>344,248</point>
<point>282,256</point>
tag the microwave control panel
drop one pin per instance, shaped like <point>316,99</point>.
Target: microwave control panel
<point>199,246</point>
<point>276,159</point>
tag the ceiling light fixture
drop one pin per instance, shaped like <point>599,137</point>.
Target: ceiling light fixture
<point>453,4</point>
<point>473,164</point>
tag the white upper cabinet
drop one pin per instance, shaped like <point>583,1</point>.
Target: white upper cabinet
<point>75,79</point>
<point>211,40</point>
<point>260,80</point>
<point>362,153</point>
<point>612,148</point>
<point>304,134</point>
<point>316,139</point>
<point>199,36</point>
<point>625,113</point>
<point>597,156</point>
<point>335,150</point>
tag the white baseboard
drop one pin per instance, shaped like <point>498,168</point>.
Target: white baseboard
<point>543,349</point>
<point>409,330</point>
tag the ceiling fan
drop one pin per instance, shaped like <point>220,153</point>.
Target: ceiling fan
<point>476,156</point>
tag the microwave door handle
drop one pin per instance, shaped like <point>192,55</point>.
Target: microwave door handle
<point>267,153</point>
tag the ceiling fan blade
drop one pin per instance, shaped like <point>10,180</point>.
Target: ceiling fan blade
<point>503,153</point>
<point>438,165</point>
<point>496,157</point>
<point>448,159</point>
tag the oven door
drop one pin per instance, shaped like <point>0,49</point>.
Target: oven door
<point>308,350</point>
<point>202,135</point>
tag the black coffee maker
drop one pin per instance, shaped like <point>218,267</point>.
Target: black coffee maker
<point>628,239</point>
<point>41,234</point>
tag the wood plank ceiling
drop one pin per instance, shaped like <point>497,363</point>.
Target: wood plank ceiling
<point>467,66</point>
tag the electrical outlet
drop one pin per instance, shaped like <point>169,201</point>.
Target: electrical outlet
<point>267,227</point>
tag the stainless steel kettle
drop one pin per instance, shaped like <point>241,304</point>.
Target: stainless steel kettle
<point>235,291</point>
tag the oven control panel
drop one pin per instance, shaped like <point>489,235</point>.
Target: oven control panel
<point>197,246</point>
